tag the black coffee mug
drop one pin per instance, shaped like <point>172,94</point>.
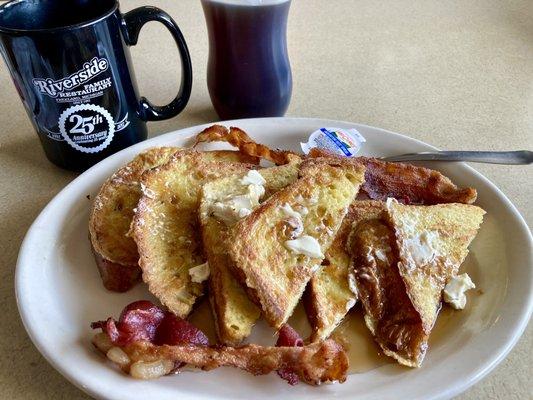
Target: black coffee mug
<point>70,62</point>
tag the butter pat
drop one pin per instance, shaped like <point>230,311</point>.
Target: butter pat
<point>232,209</point>
<point>199,273</point>
<point>253,178</point>
<point>345,142</point>
<point>454,291</point>
<point>352,284</point>
<point>302,210</point>
<point>422,247</point>
<point>289,212</point>
<point>381,254</point>
<point>294,219</point>
<point>306,245</point>
<point>349,304</point>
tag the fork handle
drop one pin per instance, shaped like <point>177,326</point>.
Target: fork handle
<point>520,157</point>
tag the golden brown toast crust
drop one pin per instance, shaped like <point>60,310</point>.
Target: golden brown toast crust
<point>228,299</point>
<point>274,276</point>
<point>330,295</point>
<point>454,227</point>
<point>111,214</point>
<point>328,292</point>
<point>389,313</point>
<point>401,294</point>
<point>234,313</point>
<point>166,227</point>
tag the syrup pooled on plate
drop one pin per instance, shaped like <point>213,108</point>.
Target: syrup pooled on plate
<point>363,352</point>
<point>202,318</point>
<point>352,333</point>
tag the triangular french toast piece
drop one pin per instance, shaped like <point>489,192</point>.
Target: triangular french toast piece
<point>225,201</point>
<point>280,245</point>
<point>331,292</point>
<point>115,252</point>
<point>166,227</point>
<point>432,242</point>
<point>389,313</point>
<point>401,305</point>
<point>328,296</point>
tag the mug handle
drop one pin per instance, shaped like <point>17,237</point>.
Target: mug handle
<point>133,21</point>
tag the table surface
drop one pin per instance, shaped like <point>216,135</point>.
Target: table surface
<point>456,74</point>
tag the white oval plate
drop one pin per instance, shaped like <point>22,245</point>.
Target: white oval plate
<point>59,291</point>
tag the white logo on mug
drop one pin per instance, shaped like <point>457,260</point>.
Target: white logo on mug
<point>89,70</point>
<point>87,127</point>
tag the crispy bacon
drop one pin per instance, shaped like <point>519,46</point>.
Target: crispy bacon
<point>314,364</point>
<point>288,337</point>
<point>405,182</point>
<point>144,321</point>
<point>240,139</point>
<point>413,184</point>
<point>408,183</point>
<point>147,342</point>
<point>175,331</point>
<point>138,321</point>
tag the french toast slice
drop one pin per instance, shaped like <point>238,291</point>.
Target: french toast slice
<point>233,312</point>
<point>166,226</point>
<point>432,243</point>
<point>401,306</point>
<point>329,295</point>
<point>331,292</point>
<point>281,244</point>
<point>111,214</point>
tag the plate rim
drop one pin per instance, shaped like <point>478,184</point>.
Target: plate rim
<point>473,377</point>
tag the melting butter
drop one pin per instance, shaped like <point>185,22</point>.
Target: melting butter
<point>253,178</point>
<point>306,245</point>
<point>199,273</point>
<point>234,208</point>
<point>454,291</point>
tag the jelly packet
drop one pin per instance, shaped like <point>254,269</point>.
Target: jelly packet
<point>346,142</point>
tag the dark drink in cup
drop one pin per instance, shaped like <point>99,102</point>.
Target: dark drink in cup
<point>248,74</point>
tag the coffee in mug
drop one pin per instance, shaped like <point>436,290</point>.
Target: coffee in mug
<point>248,70</point>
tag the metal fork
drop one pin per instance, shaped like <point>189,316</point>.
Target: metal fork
<point>491,157</point>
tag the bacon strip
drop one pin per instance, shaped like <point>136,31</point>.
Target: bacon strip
<point>240,139</point>
<point>405,182</point>
<point>147,342</point>
<point>138,321</point>
<point>144,321</point>
<point>287,336</point>
<point>316,363</point>
<point>417,184</point>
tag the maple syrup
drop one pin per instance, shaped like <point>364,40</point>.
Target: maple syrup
<point>202,318</point>
<point>363,352</point>
<point>352,333</point>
